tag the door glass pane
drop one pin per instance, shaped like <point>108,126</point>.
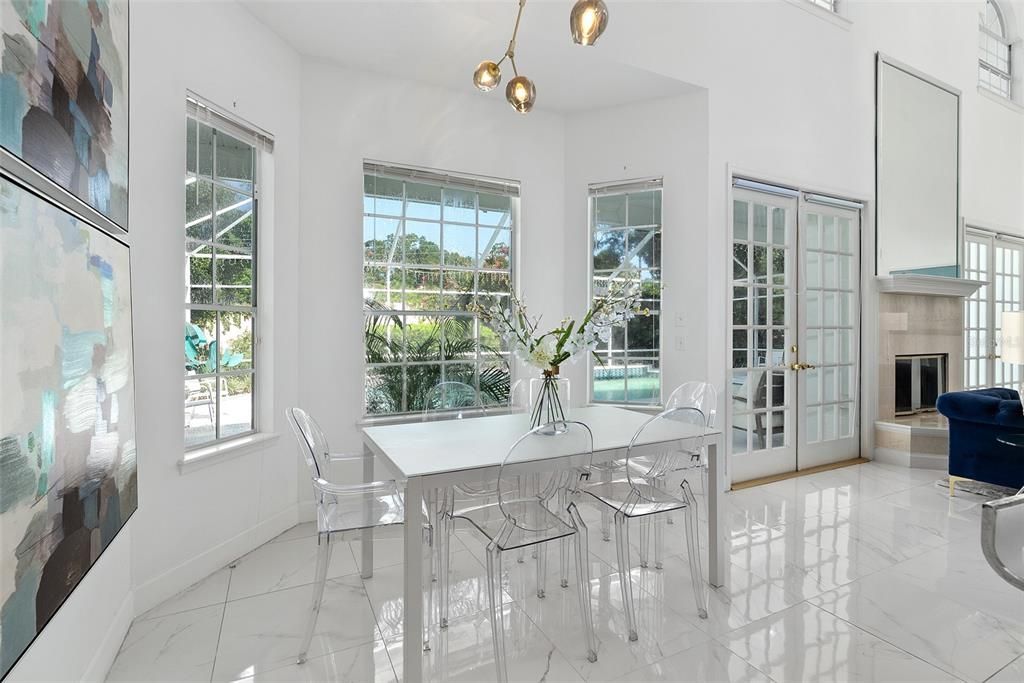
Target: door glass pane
<point>812,272</point>
<point>812,347</point>
<point>813,420</point>
<point>813,386</point>
<point>828,346</point>
<point>812,231</point>
<point>828,423</point>
<point>830,271</point>
<point>812,309</point>
<point>830,234</point>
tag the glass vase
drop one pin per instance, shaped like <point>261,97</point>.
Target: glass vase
<point>549,399</point>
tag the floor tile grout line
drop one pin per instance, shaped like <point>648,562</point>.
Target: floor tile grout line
<point>1005,667</point>
<point>223,614</point>
<point>862,629</point>
<point>883,638</point>
<point>376,621</point>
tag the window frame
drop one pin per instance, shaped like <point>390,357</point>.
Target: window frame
<point>442,180</point>
<point>627,187</point>
<point>203,114</point>
<point>985,66</point>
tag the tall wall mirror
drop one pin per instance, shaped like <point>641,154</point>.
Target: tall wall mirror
<point>917,172</point>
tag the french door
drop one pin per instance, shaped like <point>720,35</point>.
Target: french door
<point>997,260</point>
<point>795,332</point>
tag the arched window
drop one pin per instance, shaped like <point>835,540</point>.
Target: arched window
<point>994,51</point>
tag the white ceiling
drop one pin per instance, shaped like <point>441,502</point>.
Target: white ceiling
<point>442,42</point>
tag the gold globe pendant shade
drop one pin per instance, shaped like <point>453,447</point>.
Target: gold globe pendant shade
<point>521,94</point>
<point>587,21</point>
<point>487,75</point>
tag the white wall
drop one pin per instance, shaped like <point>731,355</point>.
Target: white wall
<point>349,116</point>
<point>188,525</point>
<point>662,138</point>
<point>234,61</point>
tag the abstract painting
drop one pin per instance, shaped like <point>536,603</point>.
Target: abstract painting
<point>67,420</point>
<point>64,95</point>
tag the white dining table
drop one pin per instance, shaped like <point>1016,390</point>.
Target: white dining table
<point>438,454</point>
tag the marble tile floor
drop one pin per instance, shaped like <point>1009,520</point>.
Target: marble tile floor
<point>867,573</point>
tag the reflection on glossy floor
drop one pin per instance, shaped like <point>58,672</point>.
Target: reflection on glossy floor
<point>868,573</point>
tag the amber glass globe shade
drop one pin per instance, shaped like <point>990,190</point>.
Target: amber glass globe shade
<point>521,94</point>
<point>487,75</point>
<point>587,21</point>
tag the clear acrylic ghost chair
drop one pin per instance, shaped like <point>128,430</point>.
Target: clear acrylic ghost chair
<point>536,490</point>
<point>633,496</point>
<point>451,400</point>
<point>519,396</point>
<point>339,507</point>
<point>694,394</point>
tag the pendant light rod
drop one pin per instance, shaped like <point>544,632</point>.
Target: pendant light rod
<point>510,52</point>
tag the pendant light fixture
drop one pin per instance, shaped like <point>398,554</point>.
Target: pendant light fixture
<point>587,21</point>
<point>520,91</point>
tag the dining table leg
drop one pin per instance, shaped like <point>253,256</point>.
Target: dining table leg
<point>367,534</point>
<point>413,582</point>
<point>717,561</point>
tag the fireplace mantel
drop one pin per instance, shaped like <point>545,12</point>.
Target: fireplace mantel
<point>927,285</point>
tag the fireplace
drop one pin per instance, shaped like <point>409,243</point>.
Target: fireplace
<point>920,379</point>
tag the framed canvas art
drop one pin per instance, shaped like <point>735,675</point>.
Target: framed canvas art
<point>64,96</point>
<point>67,418</point>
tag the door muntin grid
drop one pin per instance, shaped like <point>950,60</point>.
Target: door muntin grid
<point>977,345</point>
<point>829,341</point>
<point>762,325</point>
<point>998,262</point>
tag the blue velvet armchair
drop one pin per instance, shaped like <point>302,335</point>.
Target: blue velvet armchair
<point>976,420</point>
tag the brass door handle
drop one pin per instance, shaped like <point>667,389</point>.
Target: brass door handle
<point>801,366</point>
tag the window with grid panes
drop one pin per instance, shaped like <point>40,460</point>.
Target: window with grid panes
<point>221,193</point>
<point>994,51</point>
<point>626,242</point>
<point>434,246</point>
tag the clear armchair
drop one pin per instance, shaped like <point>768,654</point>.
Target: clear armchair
<point>339,507</point>
<point>1002,537</point>
<point>447,400</point>
<point>632,495</point>
<point>535,504</point>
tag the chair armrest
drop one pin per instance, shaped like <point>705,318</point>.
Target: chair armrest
<point>1010,510</point>
<point>387,486</point>
<point>346,457</point>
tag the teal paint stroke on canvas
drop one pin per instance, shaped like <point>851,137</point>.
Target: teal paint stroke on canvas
<point>67,433</point>
<point>64,91</point>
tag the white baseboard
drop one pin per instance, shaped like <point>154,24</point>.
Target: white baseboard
<point>923,461</point>
<point>101,662</point>
<point>177,579</point>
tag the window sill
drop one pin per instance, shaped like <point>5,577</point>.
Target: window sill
<point>637,407</point>
<point>406,418</point>
<point>834,18</point>
<point>211,455</point>
<point>999,99</point>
